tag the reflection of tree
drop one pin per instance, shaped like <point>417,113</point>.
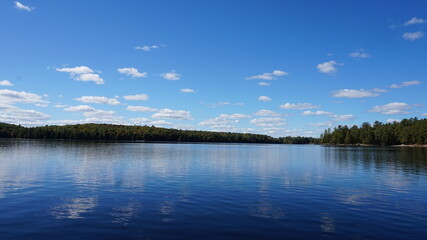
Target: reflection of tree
<point>406,160</point>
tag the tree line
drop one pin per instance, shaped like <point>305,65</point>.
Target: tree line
<point>139,133</point>
<point>407,131</point>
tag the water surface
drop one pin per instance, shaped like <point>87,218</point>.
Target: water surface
<point>95,190</point>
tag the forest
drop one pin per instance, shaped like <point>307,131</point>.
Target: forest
<point>408,131</point>
<point>140,133</point>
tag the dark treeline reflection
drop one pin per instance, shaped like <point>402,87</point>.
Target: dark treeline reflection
<point>140,133</point>
<point>406,159</point>
<point>408,131</point>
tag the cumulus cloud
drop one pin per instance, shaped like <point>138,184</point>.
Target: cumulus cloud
<point>412,36</point>
<point>415,20</point>
<point>172,114</point>
<point>321,124</point>
<point>267,113</point>
<point>82,73</point>
<point>392,108</point>
<point>268,122</point>
<point>141,109</point>
<point>98,99</point>
<point>316,113</point>
<point>137,97</point>
<point>187,90</point>
<point>149,122</point>
<point>329,67</point>
<point>343,118</point>
<point>21,6</point>
<point>80,108</point>
<point>15,115</point>
<point>298,106</point>
<point>360,53</point>
<point>5,83</point>
<point>172,75</point>
<point>264,84</point>
<point>264,98</point>
<point>12,97</point>
<point>234,116</point>
<point>424,114</point>
<point>133,72</point>
<point>269,76</point>
<point>147,48</point>
<point>391,120</point>
<point>405,84</point>
<point>218,121</point>
<point>353,93</point>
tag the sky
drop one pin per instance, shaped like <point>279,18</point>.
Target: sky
<point>276,67</point>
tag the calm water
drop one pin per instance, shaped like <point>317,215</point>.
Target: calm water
<point>72,190</point>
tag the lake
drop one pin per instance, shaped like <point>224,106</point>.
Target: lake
<point>110,190</point>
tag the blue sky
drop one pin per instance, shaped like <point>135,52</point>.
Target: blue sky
<point>271,67</point>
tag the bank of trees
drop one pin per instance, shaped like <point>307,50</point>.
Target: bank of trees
<point>408,131</point>
<point>138,133</point>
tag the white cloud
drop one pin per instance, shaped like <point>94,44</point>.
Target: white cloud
<point>147,48</point>
<point>267,122</point>
<point>405,84</point>
<point>11,97</point>
<point>264,84</point>
<point>137,97</point>
<point>5,83</point>
<point>412,36</point>
<point>298,106</point>
<point>220,104</point>
<point>415,20</point>
<point>172,114</point>
<point>15,115</point>
<point>264,98</point>
<point>149,122</point>
<point>269,76</point>
<point>328,67</point>
<point>98,99</point>
<point>21,6</point>
<point>80,108</point>
<point>352,93</point>
<point>141,109</point>
<point>218,121</point>
<point>392,108</point>
<point>424,114</point>
<point>321,124</point>
<point>133,72</point>
<point>187,90</point>
<point>82,73</point>
<point>316,113</point>
<point>99,114</point>
<point>172,75</point>
<point>343,118</point>
<point>267,113</point>
<point>360,53</point>
<point>391,120</point>
<point>234,116</point>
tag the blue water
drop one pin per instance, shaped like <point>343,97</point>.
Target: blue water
<point>86,190</point>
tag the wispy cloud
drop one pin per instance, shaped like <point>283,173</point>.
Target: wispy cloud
<point>415,20</point>
<point>392,108</point>
<point>269,76</point>
<point>21,6</point>
<point>98,99</point>
<point>412,36</point>
<point>137,97</point>
<point>316,113</point>
<point>172,114</point>
<point>353,93</point>
<point>147,48</point>
<point>267,113</point>
<point>328,67</point>
<point>298,106</point>
<point>405,84</point>
<point>12,97</point>
<point>172,75</point>
<point>268,122</point>
<point>187,90</point>
<point>359,53</point>
<point>141,109</point>
<point>133,72</point>
<point>264,84</point>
